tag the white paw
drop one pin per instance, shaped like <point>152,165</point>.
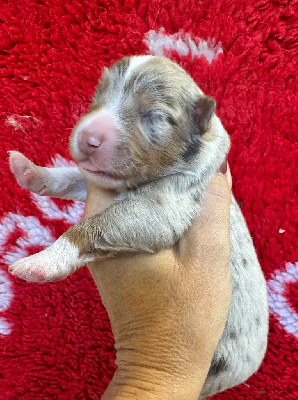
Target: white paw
<point>28,175</point>
<point>52,264</point>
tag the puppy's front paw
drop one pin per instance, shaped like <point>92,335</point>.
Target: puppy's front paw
<point>28,175</point>
<point>52,264</point>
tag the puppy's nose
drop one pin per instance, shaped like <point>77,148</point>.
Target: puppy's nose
<point>88,141</point>
<point>93,141</point>
<point>96,133</point>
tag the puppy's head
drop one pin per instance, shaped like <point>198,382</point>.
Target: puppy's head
<point>146,117</point>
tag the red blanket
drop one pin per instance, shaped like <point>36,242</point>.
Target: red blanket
<point>55,339</point>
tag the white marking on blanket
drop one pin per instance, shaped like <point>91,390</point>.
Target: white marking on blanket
<point>278,303</point>
<point>20,122</point>
<point>183,43</point>
<point>6,296</point>
<point>36,235</point>
<point>71,213</point>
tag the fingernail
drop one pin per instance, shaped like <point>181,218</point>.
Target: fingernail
<point>224,166</point>
<point>229,176</point>
<point>225,170</point>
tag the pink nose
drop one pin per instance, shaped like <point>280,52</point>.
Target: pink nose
<point>89,141</point>
<point>97,135</point>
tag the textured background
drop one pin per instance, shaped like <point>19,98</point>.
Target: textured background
<point>55,339</point>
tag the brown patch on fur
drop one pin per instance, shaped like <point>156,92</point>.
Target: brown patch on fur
<point>203,111</point>
<point>79,238</point>
<point>161,85</point>
<point>120,66</point>
<point>109,78</point>
<point>162,113</point>
<point>86,236</point>
<point>211,134</point>
<point>102,86</point>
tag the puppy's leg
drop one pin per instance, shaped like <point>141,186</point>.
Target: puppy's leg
<point>64,182</point>
<point>140,223</point>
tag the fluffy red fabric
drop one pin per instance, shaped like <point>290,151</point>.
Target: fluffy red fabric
<point>55,339</point>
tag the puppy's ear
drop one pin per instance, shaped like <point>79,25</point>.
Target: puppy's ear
<point>203,111</point>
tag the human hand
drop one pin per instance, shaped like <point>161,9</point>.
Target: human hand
<point>168,310</point>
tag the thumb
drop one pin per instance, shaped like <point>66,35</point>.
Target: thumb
<point>210,231</point>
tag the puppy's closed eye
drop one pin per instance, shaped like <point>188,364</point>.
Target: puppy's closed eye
<point>155,124</point>
<point>153,121</point>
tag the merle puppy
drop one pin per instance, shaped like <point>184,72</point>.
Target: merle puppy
<point>151,135</point>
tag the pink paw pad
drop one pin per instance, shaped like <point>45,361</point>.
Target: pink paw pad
<point>29,275</point>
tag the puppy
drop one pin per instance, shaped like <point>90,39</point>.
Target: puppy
<point>151,135</point>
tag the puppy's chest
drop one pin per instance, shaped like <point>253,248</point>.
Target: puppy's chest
<point>174,196</point>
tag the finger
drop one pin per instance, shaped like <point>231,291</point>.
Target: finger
<point>98,199</point>
<point>225,170</point>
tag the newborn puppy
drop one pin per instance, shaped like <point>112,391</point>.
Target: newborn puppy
<point>152,136</point>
